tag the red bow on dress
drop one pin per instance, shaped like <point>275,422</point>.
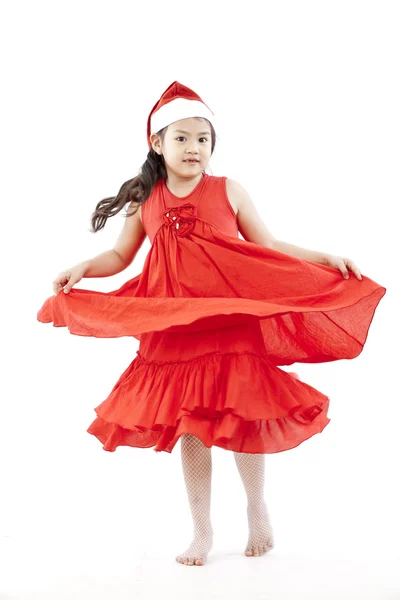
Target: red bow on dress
<point>182,218</point>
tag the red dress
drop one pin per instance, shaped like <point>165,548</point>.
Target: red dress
<point>215,317</point>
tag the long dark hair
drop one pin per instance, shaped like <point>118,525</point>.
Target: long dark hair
<point>139,188</point>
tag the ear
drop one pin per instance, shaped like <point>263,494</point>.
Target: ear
<point>155,143</point>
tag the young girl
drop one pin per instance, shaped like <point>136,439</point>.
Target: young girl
<point>215,316</point>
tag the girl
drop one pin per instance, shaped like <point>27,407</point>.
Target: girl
<point>215,316</point>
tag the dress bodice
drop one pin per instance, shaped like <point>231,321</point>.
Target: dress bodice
<point>207,201</point>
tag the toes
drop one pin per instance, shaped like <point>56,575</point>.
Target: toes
<point>259,550</point>
<point>253,551</point>
<point>184,560</point>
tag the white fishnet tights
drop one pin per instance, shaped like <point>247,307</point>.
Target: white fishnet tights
<point>252,470</point>
<point>197,467</point>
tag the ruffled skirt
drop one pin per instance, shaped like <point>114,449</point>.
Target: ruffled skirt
<point>216,384</point>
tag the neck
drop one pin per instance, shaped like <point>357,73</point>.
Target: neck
<point>180,186</point>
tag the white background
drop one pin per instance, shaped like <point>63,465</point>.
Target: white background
<point>307,100</point>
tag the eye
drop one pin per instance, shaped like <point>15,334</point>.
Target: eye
<point>181,137</point>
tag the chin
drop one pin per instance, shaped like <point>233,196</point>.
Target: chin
<point>195,170</point>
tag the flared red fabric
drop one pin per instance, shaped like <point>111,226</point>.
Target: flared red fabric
<point>219,385</point>
<point>216,316</point>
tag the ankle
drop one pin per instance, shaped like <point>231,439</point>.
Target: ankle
<point>203,528</point>
<point>256,505</point>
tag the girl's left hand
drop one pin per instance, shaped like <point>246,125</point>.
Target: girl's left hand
<point>344,265</point>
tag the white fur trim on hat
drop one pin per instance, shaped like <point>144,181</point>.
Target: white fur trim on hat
<point>178,109</point>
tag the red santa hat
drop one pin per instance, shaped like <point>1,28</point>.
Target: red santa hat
<point>177,102</point>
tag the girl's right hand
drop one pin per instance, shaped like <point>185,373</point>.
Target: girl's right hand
<point>66,279</point>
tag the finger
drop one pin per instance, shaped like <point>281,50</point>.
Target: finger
<point>68,286</point>
<point>353,267</point>
<point>357,272</point>
<point>343,269</point>
<point>56,287</point>
<point>60,280</point>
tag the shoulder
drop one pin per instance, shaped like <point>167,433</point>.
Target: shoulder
<point>143,205</point>
<point>236,193</point>
<point>250,223</point>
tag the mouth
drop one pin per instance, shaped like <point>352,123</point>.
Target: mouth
<point>191,160</point>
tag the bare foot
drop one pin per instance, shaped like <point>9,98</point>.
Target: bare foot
<point>197,552</point>
<point>260,531</point>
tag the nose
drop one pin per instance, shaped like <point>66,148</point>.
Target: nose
<point>192,148</point>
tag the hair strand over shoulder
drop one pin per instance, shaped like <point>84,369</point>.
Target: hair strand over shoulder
<point>138,189</point>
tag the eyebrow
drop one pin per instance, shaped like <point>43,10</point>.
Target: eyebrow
<point>188,132</point>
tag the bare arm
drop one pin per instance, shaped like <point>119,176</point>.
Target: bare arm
<point>250,224</point>
<point>125,249</point>
<point>104,264</point>
<point>298,252</point>
<point>253,229</point>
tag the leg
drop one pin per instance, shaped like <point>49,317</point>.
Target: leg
<point>196,464</point>
<point>252,468</point>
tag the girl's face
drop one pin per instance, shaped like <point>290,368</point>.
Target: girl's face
<point>187,138</point>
